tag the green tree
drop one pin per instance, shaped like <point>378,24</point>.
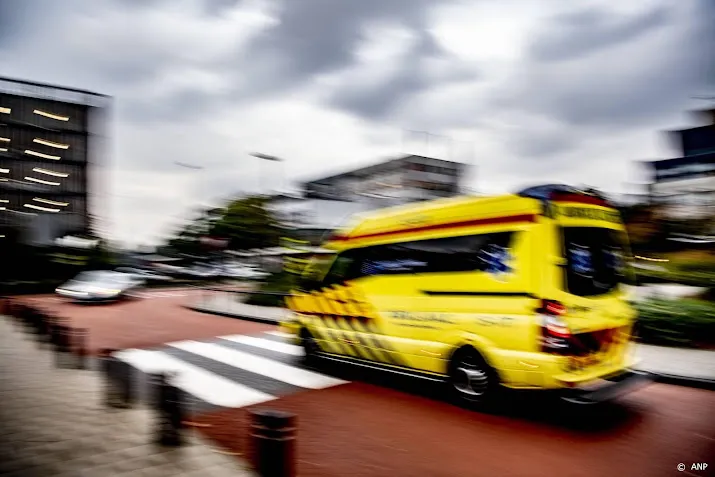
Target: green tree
<point>186,239</point>
<point>247,224</point>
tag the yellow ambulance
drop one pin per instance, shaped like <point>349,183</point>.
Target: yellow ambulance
<point>525,291</point>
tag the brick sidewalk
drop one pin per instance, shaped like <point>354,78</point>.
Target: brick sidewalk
<point>54,424</point>
<point>142,323</point>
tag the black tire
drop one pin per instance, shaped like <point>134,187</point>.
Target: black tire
<point>471,381</point>
<point>310,348</point>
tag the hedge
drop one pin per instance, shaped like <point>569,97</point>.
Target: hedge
<point>272,291</point>
<point>688,323</point>
<point>692,278</point>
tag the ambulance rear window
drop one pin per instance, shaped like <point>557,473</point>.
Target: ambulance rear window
<point>596,260</point>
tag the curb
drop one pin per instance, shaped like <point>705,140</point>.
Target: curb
<point>257,319</point>
<point>688,381</point>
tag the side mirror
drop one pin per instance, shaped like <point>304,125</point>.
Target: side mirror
<point>309,284</point>
<point>561,261</point>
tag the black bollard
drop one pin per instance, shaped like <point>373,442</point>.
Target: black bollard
<point>80,337</point>
<point>14,311</point>
<point>43,328</point>
<point>273,436</point>
<point>170,411</point>
<point>62,344</point>
<point>23,312</point>
<point>53,331</point>
<point>29,318</point>
<point>35,320</point>
<point>118,380</point>
<point>41,323</point>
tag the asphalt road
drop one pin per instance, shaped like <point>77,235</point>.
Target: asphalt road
<point>358,423</point>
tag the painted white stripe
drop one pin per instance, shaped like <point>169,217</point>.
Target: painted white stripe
<point>284,348</point>
<point>255,364</point>
<point>197,381</point>
<point>159,295</point>
<point>281,334</point>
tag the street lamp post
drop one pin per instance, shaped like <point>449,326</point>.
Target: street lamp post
<point>190,167</point>
<point>264,157</point>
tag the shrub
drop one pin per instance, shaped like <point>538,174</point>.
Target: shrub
<point>677,322</point>
<point>696,266</point>
<point>692,278</point>
<point>273,290</point>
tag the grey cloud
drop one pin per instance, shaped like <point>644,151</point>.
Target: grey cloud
<point>578,34</point>
<point>11,20</point>
<point>140,3</point>
<point>414,75</point>
<point>541,144</point>
<point>184,106</point>
<point>314,36</point>
<point>614,91</point>
<point>36,44</point>
<point>19,19</point>
<point>218,7</point>
<point>309,38</point>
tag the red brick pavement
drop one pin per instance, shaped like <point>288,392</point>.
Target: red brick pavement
<point>145,322</point>
<point>360,430</point>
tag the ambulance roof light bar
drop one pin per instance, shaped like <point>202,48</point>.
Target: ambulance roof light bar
<point>549,192</point>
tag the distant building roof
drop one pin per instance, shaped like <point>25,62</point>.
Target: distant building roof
<point>371,169</point>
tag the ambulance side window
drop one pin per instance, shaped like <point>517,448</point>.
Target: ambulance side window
<point>487,252</point>
<point>342,269</point>
<point>312,277</point>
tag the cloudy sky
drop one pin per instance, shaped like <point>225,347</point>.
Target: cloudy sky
<point>529,91</point>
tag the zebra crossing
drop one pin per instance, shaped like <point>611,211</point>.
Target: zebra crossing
<point>230,371</point>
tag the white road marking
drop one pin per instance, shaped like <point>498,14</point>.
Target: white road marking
<point>280,334</point>
<point>160,294</point>
<point>255,364</point>
<point>197,381</point>
<point>284,348</point>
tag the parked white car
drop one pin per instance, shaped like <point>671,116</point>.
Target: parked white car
<point>245,272</point>
<point>145,274</point>
<point>100,285</point>
<point>202,272</point>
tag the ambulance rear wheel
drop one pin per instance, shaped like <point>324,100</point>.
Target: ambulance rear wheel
<point>472,382</point>
<point>311,349</point>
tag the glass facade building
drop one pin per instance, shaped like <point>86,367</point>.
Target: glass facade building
<point>47,154</point>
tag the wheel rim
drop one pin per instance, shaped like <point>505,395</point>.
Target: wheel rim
<point>470,379</point>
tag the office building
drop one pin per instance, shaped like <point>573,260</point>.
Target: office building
<point>326,203</point>
<point>685,186</point>
<point>398,181</point>
<point>47,154</point>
